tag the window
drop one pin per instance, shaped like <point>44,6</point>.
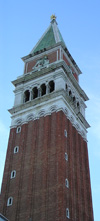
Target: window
<point>13,174</point>
<point>10,201</point>
<point>66,183</point>
<point>26,96</point>
<point>51,86</point>
<point>16,149</point>
<point>66,156</point>
<point>65,133</point>
<point>18,130</point>
<point>67,213</point>
<point>43,89</point>
<point>34,93</point>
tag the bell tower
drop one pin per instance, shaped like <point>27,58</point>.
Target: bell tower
<point>46,175</point>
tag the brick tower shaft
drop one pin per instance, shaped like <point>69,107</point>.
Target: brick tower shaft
<point>46,175</point>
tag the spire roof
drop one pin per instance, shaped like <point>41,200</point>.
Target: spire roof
<point>51,36</point>
<point>50,39</point>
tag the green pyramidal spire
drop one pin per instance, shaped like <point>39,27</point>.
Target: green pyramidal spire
<point>51,36</point>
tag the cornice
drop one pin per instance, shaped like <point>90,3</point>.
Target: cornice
<point>70,58</point>
<point>51,67</point>
<point>48,50</point>
<point>71,61</point>
<point>45,103</point>
<point>43,109</point>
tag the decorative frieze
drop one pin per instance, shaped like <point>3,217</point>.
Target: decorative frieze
<point>48,110</point>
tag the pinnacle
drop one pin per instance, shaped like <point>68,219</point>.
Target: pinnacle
<point>51,37</point>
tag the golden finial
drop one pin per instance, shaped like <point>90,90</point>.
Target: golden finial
<point>53,17</point>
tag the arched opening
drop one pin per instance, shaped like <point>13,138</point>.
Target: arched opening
<point>13,174</point>
<point>67,213</point>
<point>18,130</point>
<point>66,86</point>
<point>26,96</point>
<point>43,89</point>
<point>66,183</point>
<point>51,86</point>
<point>34,93</point>
<point>65,133</point>
<point>16,149</point>
<point>10,201</point>
<point>74,99</point>
<point>78,104</point>
<point>66,156</point>
<point>70,93</point>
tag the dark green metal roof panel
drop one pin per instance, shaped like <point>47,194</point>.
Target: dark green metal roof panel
<point>47,41</point>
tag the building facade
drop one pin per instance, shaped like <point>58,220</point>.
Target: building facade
<point>46,175</point>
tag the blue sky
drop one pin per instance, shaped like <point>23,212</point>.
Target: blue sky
<point>22,23</point>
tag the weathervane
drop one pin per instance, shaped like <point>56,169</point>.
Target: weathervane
<point>53,17</point>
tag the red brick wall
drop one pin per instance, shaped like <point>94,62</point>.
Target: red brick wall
<point>65,59</point>
<point>76,76</point>
<point>52,58</point>
<point>67,62</point>
<point>38,190</point>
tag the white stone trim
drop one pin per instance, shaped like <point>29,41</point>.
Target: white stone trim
<point>13,174</point>
<point>10,201</point>
<point>44,109</point>
<point>57,55</point>
<point>67,213</point>
<point>18,121</point>
<point>3,218</point>
<point>60,54</point>
<point>45,105</point>
<point>18,130</point>
<point>65,133</point>
<point>53,76</point>
<point>30,117</point>
<point>66,156</point>
<point>56,34</point>
<point>38,56</point>
<point>66,183</point>
<point>16,149</point>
